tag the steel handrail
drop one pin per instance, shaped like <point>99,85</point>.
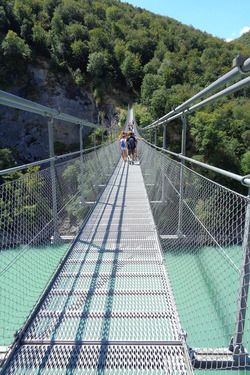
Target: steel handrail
<point>14,101</point>
<point>229,90</point>
<point>245,180</point>
<point>242,67</point>
<point>44,161</point>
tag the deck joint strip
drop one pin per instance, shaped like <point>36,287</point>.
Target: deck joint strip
<point>102,342</point>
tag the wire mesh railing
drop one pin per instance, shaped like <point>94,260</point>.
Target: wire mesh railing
<point>30,253</point>
<point>204,236</point>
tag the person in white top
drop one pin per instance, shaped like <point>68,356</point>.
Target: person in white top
<point>123,144</point>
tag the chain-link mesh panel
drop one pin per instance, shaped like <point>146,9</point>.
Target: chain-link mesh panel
<point>110,298</point>
<point>41,214</point>
<point>201,225</point>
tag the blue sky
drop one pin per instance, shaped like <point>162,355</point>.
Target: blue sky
<point>226,19</point>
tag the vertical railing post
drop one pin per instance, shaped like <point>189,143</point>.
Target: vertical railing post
<point>240,355</point>
<point>56,235</point>
<point>163,179</point>
<point>183,153</point>
<point>95,138</point>
<point>98,121</point>
<point>164,137</point>
<point>155,136</point>
<point>81,163</point>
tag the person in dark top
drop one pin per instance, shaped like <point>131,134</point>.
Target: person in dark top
<point>131,145</point>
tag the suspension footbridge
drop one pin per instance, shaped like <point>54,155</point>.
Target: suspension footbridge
<point>114,268</point>
<point>110,306</point>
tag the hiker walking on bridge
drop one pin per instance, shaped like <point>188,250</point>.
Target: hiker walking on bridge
<point>123,145</point>
<point>131,145</point>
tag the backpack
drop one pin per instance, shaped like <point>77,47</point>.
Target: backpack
<point>131,142</point>
<point>122,142</point>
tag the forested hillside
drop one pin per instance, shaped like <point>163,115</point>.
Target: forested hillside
<point>116,49</point>
<point>244,39</point>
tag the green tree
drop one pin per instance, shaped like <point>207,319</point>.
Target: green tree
<point>91,21</point>
<point>132,69</point>
<point>67,44</point>
<point>7,161</point>
<point>152,66</point>
<point>80,51</point>
<point>99,40</point>
<point>245,163</point>
<point>76,31</point>
<point>150,83</point>
<point>193,68</point>
<point>57,24</point>
<point>170,70</point>
<point>40,38</point>
<point>120,51</point>
<point>16,52</point>
<point>158,102</point>
<point>97,66</point>
<point>50,5</point>
<point>71,11</point>
<point>206,131</point>
<point>113,13</point>
<point>142,115</point>
<point>117,31</point>
<point>4,22</point>
<point>246,138</point>
<point>56,36</point>
<point>140,43</point>
<point>25,16</point>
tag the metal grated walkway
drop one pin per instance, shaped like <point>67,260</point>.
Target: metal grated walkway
<point>110,309</point>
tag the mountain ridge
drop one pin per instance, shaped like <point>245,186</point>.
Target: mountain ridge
<point>112,49</point>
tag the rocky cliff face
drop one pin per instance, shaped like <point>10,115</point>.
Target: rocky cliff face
<point>26,134</point>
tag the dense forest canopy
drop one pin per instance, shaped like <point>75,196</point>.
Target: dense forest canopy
<point>112,47</point>
<point>244,39</point>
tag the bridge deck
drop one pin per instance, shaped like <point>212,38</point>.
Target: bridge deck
<point>110,309</point>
